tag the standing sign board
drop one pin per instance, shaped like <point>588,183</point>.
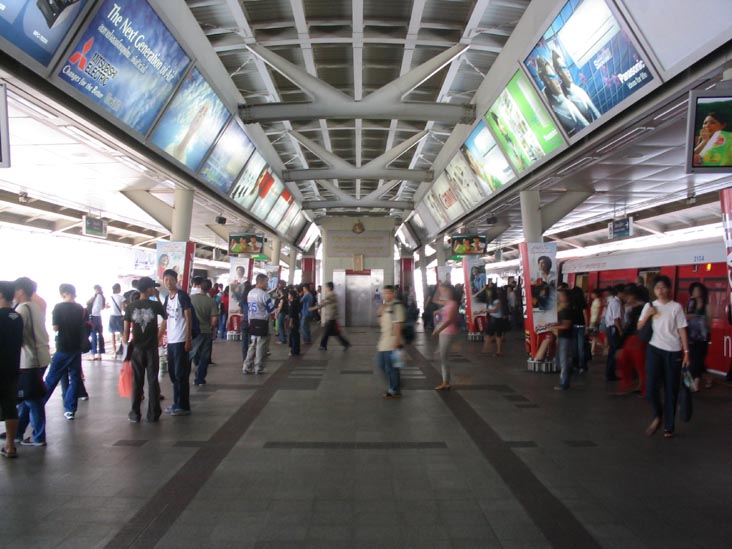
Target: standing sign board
<point>179,257</point>
<point>239,274</point>
<point>4,130</point>
<point>539,284</point>
<point>475,280</point>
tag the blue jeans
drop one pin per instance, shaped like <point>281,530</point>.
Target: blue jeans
<point>393,378</point>
<point>245,339</point>
<point>65,365</point>
<point>97,335</point>
<point>32,411</point>
<point>663,368</point>
<point>179,369</point>
<point>281,328</point>
<point>222,326</point>
<point>613,344</point>
<point>564,360</point>
<point>201,356</point>
<point>305,329</point>
<point>578,334</point>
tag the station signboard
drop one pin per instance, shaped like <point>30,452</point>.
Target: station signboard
<point>38,27</point>
<point>585,64</point>
<point>94,226</point>
<point>522,125</point>
<point>191,122</point>
<point>127,62</point>
<point>228,158</point>
<point>485,159</point>
<point>620,228</point>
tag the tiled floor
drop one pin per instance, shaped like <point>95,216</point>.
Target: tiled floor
<point>310,455</point>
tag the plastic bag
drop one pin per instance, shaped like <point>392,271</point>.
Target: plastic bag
<point>398,358</point>
<point>125,380</point>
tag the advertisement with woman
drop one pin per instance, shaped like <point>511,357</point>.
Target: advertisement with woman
<point>177,256</point>
<point>474,272</point>
<point>238,277</point>
<point>485,159</point>
<point>539,260</point>
<point>712,132</point>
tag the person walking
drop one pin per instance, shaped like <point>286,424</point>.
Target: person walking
<point>329,318</point>
<point>282,306</point>
<point>294,322</point>
<point>69,319</point>
<point>446,330</point>
<point>667,354</point>
<point>206,311</point>
<point>613,331</point>
<point>179,326</point>
<point>698,317</point>
<point>564,339</point>
<point>11,342</point>
<point>141,331</point>
<point>578,305</point>
<point>632,355</point>
<point>244,308</point>
<point>116,319</point>
<point>392,317</point>
<point>595,310</point>
<point>95,306</point>
<point>260,307</point>
<point>306,303</point>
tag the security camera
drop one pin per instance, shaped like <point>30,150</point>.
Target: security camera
<point>23,197</point>
<point>491,219</point>
<point>221,220</point>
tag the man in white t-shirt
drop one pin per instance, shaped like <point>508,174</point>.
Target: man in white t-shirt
<point>613,331</point>
<point>260,307</point>
<point>179,327</point>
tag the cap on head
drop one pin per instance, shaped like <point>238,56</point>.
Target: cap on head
<point>145,283</point>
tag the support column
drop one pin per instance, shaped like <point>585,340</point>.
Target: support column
<point>276,251</point>
<point>293,265</point>
<point>182,214</point>
<point>531,216</point>
<point>423,272</point>
<point>441,252</point>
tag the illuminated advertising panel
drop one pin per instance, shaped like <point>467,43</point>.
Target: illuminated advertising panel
<point>585,64</point>
<point>447,195</point>
<point>269,189</point>
<point>485,159</point>
<point>127,62</point>
<point>228,157</point>
<point>37,27</point>
<point>244,192</point>
<point>431,225</point>
<point>435,209</point>
<point>191,122</point>
<point>468,244</point>
<point>289,217</point>
<point>296,227</point>
<point>522,125</point>
<point>279,209</point>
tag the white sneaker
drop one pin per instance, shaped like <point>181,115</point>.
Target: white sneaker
<point>69,415</point>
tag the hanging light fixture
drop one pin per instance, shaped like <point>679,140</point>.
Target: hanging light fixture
<point>358,227</point>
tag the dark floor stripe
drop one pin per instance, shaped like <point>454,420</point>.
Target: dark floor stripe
<point>286,445</point>
<point>560,527</point>
<point>155,518</point>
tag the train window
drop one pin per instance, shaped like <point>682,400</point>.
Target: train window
<point>717,288</point>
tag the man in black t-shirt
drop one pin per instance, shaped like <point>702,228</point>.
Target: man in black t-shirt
<point>68,318</point>
<point>141,322</point>
<point>11,341</point>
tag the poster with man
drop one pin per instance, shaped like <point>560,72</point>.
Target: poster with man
<point>475,280</point>
<point>238,277</point>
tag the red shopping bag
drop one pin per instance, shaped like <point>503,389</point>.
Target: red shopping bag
<point>125,380</point>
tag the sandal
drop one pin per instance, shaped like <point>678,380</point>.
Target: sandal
<point>10,455</point>
<point>668,434</point>
<point>653,427</point>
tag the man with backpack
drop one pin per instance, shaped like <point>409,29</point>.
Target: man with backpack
<point>181,331</point>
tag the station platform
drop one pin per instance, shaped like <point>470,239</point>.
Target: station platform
<point>310,455</point>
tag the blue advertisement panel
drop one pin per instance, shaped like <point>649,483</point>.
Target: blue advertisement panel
<point>38,26</point>
<point>190,124</point>
<point>127,62</point>
<point>485,159</point>
<point>585,64</point>
<point>228,158</point>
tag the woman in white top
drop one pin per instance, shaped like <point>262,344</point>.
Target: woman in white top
<point>668,352</point>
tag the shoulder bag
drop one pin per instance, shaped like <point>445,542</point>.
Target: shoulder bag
<point>30,380</point>
<point>646,332</point>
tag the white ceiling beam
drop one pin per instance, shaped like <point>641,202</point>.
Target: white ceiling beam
<point>357,33</point>
<point>385,204</point>
<point>382,190</point>
<point>364,172</point>
<point>159,210</point>
<point>339,194</point>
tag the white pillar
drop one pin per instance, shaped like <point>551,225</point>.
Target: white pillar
<point>441,252</point>
<point>293,265</point>
<point>423,271</point>
<point>531,216</point>
<point>276,251</point>
<point>182,214</point>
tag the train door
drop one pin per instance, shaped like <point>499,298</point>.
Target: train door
<point>646,276</point>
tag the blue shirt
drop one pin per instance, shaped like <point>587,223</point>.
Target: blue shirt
<point>307,302</point>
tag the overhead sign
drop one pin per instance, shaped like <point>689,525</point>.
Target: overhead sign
<point>245,243</point>
<point>4,130</point>
<point>94,226</point>
<point>522,125</point>
<point>485,159</point>
<point>585,64</point>
<point>620,228</point>
<point>228,157</point>
<point>37,27</point>
<point>191,122</point>
<point>467,244</point>
<point>127,62</point>
<point>348,244</point>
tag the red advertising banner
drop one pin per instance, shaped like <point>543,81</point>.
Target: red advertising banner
<point>527,309</point>
<point>725,198</point>
<point>406,274</point>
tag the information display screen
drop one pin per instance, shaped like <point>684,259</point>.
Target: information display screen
<point>279,209</point>
<point>191,122</point>
<point>522,125</point>
<point>244,192</point>
<point>447,196</point>
<point>289,217</point>
<point>127,62</point>
<point>710,132</point>
<point>269,189</point>
<point>228,157</point>
<point>480,151</point>
<point>585,64</point>
<point>37,27</point>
